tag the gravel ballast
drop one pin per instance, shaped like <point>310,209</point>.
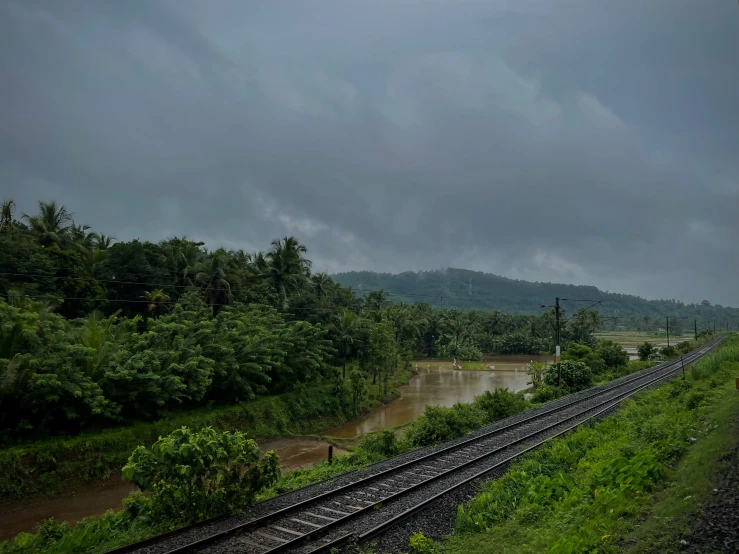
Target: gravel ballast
<point>716,525</point>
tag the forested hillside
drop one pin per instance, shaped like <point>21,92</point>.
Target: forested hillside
<point>464,289</point>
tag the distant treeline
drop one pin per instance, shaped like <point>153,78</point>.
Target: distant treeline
<point>464,289</point>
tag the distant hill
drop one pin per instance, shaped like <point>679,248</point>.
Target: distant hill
<point>461,288</point>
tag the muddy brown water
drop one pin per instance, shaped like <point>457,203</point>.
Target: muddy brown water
<point>437,383</point>
<point>299,452</point>
<point>94,500</point>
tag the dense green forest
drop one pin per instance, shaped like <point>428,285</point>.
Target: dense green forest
<point>96,332</point>
<point>464,289</point>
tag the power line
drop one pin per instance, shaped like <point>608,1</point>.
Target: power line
<point>176,286</point>
<point>247,291</point>
<point>229,289</point>
<point>164,303</point>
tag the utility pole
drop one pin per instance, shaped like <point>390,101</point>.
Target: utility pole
<point>714,326</point>
<point>667,319</point>
<point>695,324</point>
<point>557,347</point>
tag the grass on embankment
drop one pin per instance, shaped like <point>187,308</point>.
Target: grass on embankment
<point>592,490</point>
<point>51,466</point>
<point>688,486</point>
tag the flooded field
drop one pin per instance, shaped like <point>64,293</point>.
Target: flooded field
<point>438,384</point>
<point>631,340</point>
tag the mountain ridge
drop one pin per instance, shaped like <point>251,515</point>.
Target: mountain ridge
<point>468,289</point>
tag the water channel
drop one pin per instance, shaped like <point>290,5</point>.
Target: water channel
<point>439,384</point>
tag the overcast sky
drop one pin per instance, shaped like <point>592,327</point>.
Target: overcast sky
<point>583,141</point>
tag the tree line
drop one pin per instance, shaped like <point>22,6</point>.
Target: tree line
<point>465,289</point>
<point>95,331</point>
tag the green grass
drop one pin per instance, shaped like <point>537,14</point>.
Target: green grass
<point>688,486</point>
<point>591,490</point>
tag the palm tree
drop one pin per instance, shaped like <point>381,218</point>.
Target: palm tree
<point>7,211</point>
<point>183,257</point>
<point>377,300</point>
<point>103,242</point>
<point>400,318</point>
<point>241,259</point>
<point>82,239</point>
<point>102,336</point>
<point>156,298</point>
<point>52,224</point>
<point>260,263</point>
<point>323,285</point>
<point>454,321</point>
<point>212,276</point>
<point>81,234</point>
<point>347,328</point>
<point>287,269</point>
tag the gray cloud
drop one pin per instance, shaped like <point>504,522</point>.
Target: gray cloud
<point>584,141</point>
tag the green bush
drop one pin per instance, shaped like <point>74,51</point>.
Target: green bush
<point>694,400</point>
<point>669,351</point>
<point>612,354</point>
<point>645,350</point>
<point>500,404</point>
<point>575,375</point>
<point>547,393</point>
<point>196,475</point>
<point>586,355</point>
<point>421,544</point>
<point>384,443</point>
<point>685,346</point>
<point>439,424</point>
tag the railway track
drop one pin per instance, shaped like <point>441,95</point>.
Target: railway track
<point>370,504</point>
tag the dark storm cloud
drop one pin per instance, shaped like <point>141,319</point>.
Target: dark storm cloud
<point>583,141</point>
